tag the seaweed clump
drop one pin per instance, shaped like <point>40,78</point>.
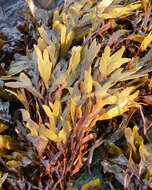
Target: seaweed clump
<point>86,67</point>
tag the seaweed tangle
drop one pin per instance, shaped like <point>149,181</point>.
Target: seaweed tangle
<point>86,67</point>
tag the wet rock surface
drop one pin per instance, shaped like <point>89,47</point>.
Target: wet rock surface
<point>9,9</point>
